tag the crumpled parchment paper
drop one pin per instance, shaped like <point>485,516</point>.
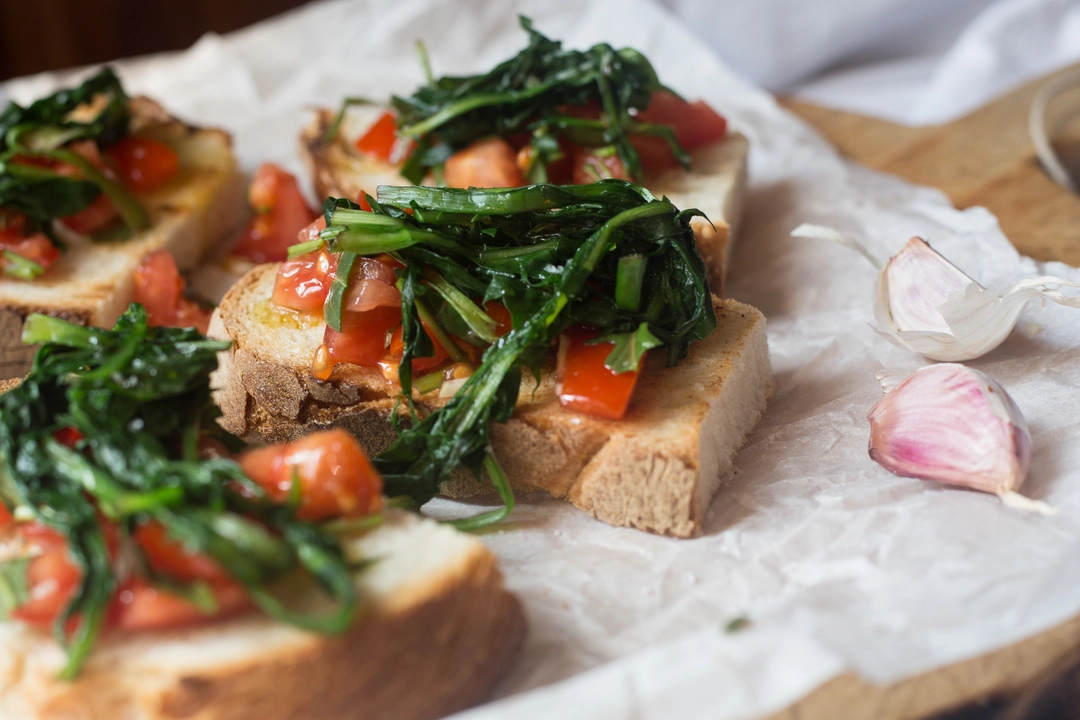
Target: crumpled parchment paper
<point>838,565</point>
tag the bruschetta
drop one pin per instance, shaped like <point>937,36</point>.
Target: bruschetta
<point>549,114</point>
<point>150,569</point>
<point>91,181</point>
<point>560,338</point>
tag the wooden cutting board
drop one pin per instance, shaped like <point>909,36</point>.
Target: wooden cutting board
<point>985,158</point>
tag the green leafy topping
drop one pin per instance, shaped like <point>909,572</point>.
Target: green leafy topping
<point>535,92</point>
<point>14,587</point>
<point>629,348</point>
<point>140,396</point>
<point>552,255</point>
<point>629,280</point>
<point>15,265</point>
<point>43,131</point>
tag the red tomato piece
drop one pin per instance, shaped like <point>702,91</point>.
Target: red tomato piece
<point>589,166</point>
<point>96,216</point>
<point>42,536</point>
<point>282,213</point>
<point>168,556</point>
<point>419,365</point>
<point>498,312</point>
<point>490,162</point>
<point>362,340</point>
<point>654,152</point>
<point>380,139</point>
<point>304,282</point>
<point>6,517</point>
<point>36,248</point>
<point>160,289</point>
<point>586,385</point>
<point>68,436</point>
<point>336,477</point>
<point>140,606</point>
<point>144,164</point>
<point>696,124</point>
<point>52,579</point>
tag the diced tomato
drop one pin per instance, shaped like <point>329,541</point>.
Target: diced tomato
<point>362,340</point>
<point>100,214</point>
<point>168,556</point>
<point>336,477</point>
<point>160,288</point>
<point>696,125</point>
<point>140,606</point>
<point>590,166</point>
<point>361,200</point>
<point>381,140</point>
<point>36,248</point>
<point>42,536</point>
<point>281,214</point>
<point>143,163</point>
<point>6,517</point>
<point>419,365</point>
<point>490,162</point>
<point>96,216</point>
<point>654,152</point>
<point>51,577</point>
<point>312,230</point>
<point>498,312</point>
<point>304,282</point>
<point>68,436</point>
<point>586,385</point>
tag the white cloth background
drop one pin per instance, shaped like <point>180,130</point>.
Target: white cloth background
<point>916,62</point>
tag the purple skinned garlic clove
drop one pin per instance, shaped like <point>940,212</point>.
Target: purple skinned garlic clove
<point>954,425</point>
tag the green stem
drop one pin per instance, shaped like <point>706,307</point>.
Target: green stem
<point>512,253</point>
<point>428,319</point>
<point>39,329</point>
<point>131,211</point>
<point>502,201</point>
<point>340,285</point>
<point>478,321</point>
<point>629,278</point>
<point>502,488</point>
<point>16,266</point>
<point>304,248</point>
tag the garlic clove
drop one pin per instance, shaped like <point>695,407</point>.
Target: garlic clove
<point>928,305</point>
<point>954,425</point>
<point>914,283</point>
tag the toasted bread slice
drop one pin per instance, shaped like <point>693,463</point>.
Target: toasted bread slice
<point>436,631</point>
<point>656,469</point>
<point>716,184</point>
<point>92,283</point>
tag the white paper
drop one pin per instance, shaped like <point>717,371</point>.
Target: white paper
<point>838,564</point>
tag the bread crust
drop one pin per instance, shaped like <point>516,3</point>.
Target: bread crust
<point>716,185</point>
<point>657,469</point>
<point>92,282</point>
<point>428,647</point>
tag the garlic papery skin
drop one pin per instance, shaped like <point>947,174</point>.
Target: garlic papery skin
<point>928,305</point>
<point>954,425</point>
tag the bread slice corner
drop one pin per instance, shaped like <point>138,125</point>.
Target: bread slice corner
<point>657,469</point>
<point>92,282</point>
<point>437,630</point>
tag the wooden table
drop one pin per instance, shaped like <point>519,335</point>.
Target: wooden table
<point>985,158</point>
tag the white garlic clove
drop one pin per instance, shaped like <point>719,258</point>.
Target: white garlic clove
<point>928,305</point>
<point>953,425</point>
<point>914,283</point>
